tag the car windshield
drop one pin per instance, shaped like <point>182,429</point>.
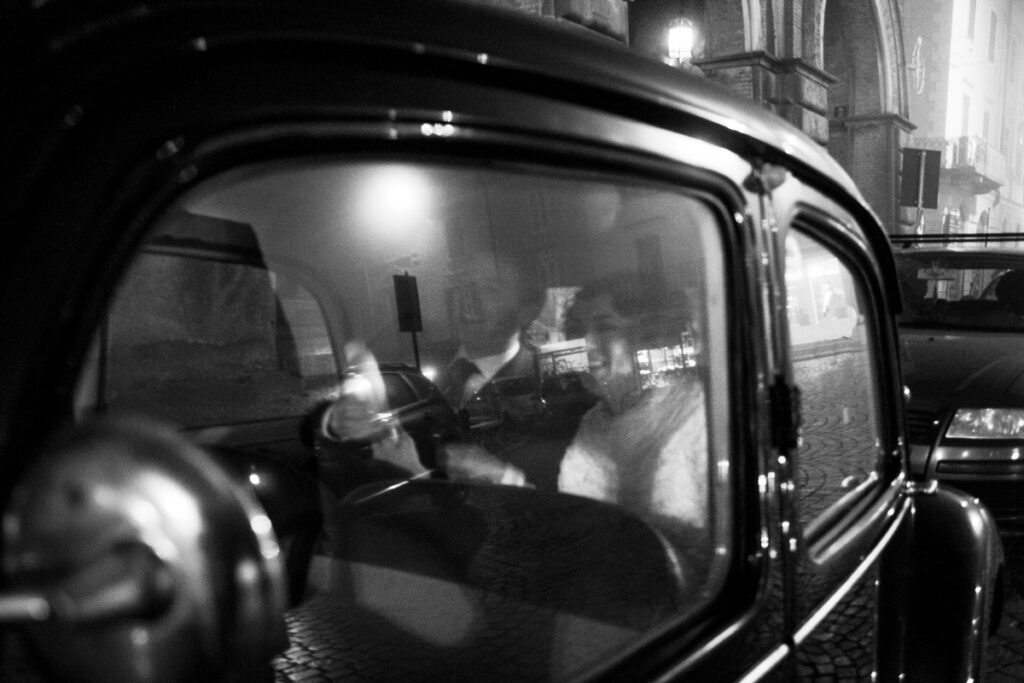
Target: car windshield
<point>367,322</point>
<point>962,290</point>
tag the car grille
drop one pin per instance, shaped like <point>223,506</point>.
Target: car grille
<point>922,426</point>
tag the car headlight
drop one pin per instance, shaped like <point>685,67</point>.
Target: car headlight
<point>987,423</point>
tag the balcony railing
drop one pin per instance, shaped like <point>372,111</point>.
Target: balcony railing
<point>969,153</point>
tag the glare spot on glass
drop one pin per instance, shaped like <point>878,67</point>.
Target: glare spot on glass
<point>269,549</point>
<point>261,524</point>
<point>738,217</point>
<point>430,372</point>
<point>247,572</point>
<point>438,129</point>
<point>394,200</point>
<point>723,470</point>
<point>254,478</point>
<point>357,386</point>
<point>161,498</point>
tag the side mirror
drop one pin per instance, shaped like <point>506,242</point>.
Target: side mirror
<point>130,555</point>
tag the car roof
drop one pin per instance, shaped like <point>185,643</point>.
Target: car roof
<point>561,58</point>
<point>559,50</point>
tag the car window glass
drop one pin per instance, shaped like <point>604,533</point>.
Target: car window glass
<point>977,290</point>
<point>205,341</point>
<point>423,386</point>
<point>571,521</point>
<point>833,366</point>
<point>397,391</point>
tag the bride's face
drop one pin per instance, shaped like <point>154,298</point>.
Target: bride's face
<point>609,353</point>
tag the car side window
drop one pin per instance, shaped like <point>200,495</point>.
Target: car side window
<point>201,341</point>
<point>397,391</point>
<point>834,368</point>
<point>490,518</point>
<point>423,386</point>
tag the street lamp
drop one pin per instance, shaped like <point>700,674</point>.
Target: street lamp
<point>682,37</point>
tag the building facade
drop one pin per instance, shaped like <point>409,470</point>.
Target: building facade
<point>967,99</point>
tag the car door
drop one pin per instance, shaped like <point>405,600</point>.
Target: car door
<point>849,508</point>
<point>865,544</point>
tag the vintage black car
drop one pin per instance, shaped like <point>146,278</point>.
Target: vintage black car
<point>220,215</point>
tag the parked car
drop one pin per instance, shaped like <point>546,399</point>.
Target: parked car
<point>211,210</point>
<point>520,400</point>
<point>567,396</point>
<point>963,336</point>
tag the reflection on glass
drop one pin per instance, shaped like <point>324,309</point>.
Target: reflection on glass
<point>537,458</point>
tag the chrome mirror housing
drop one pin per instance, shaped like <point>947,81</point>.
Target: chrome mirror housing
<point>130,555</point>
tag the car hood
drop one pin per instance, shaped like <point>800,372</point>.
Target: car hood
<point>963,369</point>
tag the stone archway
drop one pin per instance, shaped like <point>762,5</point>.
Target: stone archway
<point>861,47</point>
<point>833,68</point>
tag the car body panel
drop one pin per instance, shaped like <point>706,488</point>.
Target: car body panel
<point>944,533</point>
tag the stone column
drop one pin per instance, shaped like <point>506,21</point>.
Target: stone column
<point>865,145</point>
<point>792,88</point>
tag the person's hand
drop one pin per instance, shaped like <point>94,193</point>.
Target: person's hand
<point>359,415</point>
<point>470,462</point>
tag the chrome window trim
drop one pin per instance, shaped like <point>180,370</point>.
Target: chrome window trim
<point>815,619</point>
<point>766,665</point>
